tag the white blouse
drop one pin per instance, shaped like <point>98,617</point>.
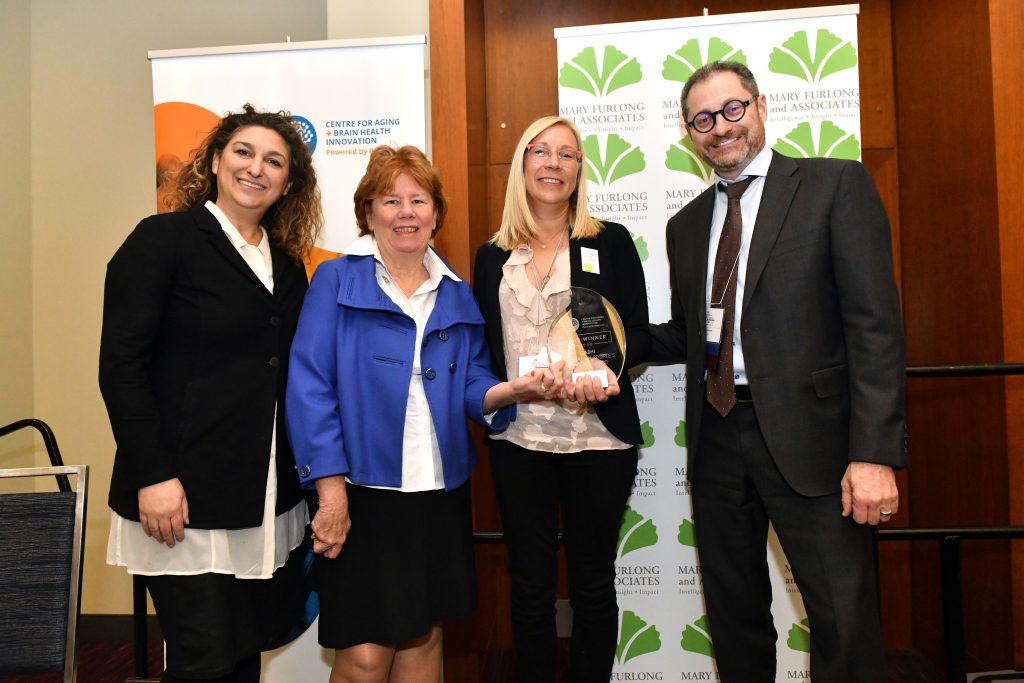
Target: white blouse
<point>526,317</point>
<point>252,553</point>
<point>421,453</point>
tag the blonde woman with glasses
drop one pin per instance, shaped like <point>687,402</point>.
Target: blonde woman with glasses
<point>573,456</point>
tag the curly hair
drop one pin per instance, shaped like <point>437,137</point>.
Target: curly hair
<point>385,165</point>
<point>517,223</point>
<point>295,220</point>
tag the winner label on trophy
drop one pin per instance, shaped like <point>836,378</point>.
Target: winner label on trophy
<point>588,335</point>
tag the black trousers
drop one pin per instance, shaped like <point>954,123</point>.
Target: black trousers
<point>215,625</point>
<point>590,489</point>
<point>737,490</point>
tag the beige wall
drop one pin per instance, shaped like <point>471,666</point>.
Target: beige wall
<point>350,19</point>
<point>15,235</point>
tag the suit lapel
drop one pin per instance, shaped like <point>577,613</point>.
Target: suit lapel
<point>704,205</point>
<point>280,261</point>
<point>780,187</point>
<point>208,224</point>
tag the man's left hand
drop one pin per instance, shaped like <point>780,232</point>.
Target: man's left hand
<point>869,493</point>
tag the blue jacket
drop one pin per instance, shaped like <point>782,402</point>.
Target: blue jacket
<point>351,365</point>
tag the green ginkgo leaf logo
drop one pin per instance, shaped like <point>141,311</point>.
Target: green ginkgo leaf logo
<point>636,637</point>
<point>831,54</point>
<point>683,157</point>
<point>681,64</point>
<point>687,534</point>
<point>583,72</point>
<point>833,142</point>
<point>636,532</point>
<point>697,638</point>
<point>621,158</point>
<point>641,247</point>
<point>800,636</point>
<point>681,434</point>
<point>647,431</point>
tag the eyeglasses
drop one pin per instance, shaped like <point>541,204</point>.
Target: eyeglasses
<point>732,112</point>
<point>566,155</point>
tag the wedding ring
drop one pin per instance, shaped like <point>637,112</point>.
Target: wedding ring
<point>885,513</point>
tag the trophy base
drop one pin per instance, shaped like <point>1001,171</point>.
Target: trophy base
<point>599,375</point>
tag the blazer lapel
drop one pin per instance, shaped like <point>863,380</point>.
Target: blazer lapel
<point>208,224</point>
<point>281,272</point>
<point>780,187</point>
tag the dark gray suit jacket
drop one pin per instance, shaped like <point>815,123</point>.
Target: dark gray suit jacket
<point>821,330</point>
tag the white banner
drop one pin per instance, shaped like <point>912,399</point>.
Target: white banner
<point>346,97</point>
<point>621,84</point>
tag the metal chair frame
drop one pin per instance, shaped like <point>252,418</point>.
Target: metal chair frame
<point>81,473</point>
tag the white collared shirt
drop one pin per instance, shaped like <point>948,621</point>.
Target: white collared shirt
<point>749,204</point>
<point>421,455</point>
<point>257,256</point>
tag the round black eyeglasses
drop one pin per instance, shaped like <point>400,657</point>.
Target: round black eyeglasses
<point>732,112</point>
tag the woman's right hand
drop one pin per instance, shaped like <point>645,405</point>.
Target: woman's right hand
<point>331,522</point>
<point>588,390</point>
<point>163,511</point>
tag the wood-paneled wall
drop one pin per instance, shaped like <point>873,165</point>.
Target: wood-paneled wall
<point>930,74</point>
<point>956,216</point>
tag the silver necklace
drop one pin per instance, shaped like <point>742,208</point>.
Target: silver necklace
<point>544,245</point>
<point>547,276</point>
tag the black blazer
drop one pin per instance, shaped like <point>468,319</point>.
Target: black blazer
<point>193,361</point>
<point>822,335</point>
<point>621,281</point>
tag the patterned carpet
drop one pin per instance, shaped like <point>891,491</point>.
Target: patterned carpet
<point>101,662</point>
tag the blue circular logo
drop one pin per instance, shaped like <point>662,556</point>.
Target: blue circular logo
<point>306,131</point>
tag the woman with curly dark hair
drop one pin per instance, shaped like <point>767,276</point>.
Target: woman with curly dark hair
<point>200,306</point>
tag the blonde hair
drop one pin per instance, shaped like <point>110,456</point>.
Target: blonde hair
<point>517,223</point>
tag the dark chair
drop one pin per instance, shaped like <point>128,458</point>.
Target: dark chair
<point>41,548</point>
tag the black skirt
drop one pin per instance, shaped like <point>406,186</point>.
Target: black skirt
<point>407,563</point>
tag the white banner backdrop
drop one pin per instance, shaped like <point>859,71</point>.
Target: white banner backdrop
<point>346,97</point>
<point>621,83</point>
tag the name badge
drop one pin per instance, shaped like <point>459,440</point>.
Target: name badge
<point>590,261</point>
<point>713,335</point>
<point>528,364</point>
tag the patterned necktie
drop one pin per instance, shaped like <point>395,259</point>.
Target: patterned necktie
<point>721,390</point>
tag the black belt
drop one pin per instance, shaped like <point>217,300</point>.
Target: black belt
<point>743,394</point>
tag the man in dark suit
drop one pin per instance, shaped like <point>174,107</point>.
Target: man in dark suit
<point>791,332</point>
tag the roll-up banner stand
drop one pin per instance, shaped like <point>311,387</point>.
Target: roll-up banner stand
<point>621,84</point>
<point>346,97</point>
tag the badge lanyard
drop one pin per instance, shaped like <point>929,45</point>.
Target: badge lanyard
<point>716,322</point>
